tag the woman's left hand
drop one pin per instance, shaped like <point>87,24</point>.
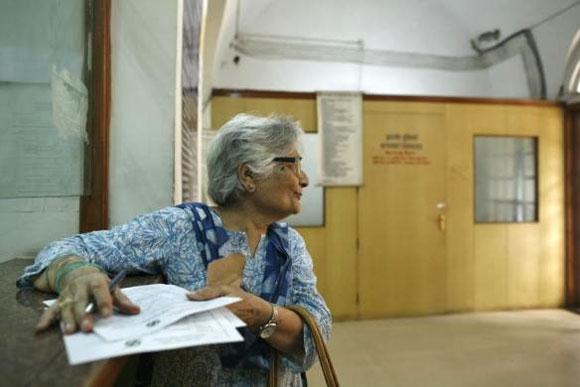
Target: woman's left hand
<point>253,310</point>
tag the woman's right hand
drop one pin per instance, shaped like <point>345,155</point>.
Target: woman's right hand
<point>79,288</point>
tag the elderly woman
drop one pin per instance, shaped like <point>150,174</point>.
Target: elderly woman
<point>236,248</point>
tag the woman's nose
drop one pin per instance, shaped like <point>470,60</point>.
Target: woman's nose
<point>303,179</point>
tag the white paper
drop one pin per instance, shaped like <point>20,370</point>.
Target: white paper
<point>213,327</point>
<point>223,312</point>
<point>231,318</point>
<point>340,126</point>
<point>160,304</point>
<point>70,104</point>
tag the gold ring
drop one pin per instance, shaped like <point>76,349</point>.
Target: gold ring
<point>65,303</point>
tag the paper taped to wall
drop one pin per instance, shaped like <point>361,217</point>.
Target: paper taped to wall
<point>69,104</point>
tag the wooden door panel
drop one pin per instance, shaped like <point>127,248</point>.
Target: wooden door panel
<point>402,249</point>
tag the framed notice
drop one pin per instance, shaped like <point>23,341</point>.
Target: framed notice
<point>340,129</point>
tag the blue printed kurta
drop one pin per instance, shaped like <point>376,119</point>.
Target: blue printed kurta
<point>164,242</point>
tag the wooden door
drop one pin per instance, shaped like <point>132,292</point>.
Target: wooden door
<point>402,210</point>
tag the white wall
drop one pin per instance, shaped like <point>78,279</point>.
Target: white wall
<point>144,36</point>
<point>554,39</point>
<point>508,79</point>
<point>374,23</point>
<point>440,27</point>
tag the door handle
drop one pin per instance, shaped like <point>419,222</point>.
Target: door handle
<point>442,222</point>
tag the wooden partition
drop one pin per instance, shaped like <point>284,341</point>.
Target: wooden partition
<point>406,243</point>
<point>511,265</point>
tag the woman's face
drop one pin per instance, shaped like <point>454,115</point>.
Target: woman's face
<point>279,194</point>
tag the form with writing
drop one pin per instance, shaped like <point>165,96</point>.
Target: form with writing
<point>168,320</point>
<point>161,305</point>
<point>214,327</point>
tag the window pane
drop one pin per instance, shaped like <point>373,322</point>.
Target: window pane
<point>43,98</point>
<point>505,179</point>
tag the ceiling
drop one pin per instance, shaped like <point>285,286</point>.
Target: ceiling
<point>429,26</point>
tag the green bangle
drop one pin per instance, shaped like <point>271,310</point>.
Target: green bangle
<point>63,271</point>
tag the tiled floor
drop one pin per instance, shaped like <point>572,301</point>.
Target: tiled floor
<point>516,348</point>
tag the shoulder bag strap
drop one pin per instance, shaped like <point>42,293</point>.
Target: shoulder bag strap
<point>321,349</point>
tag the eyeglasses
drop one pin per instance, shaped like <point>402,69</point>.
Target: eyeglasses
<point>296,162</point>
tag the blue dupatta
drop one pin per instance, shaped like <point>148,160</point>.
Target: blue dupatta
<point>252,352</point>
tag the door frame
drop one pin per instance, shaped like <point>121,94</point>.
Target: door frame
<point>94,205</point>
<point>572,192</point>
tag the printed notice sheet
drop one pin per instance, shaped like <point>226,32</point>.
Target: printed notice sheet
<point>340,128</point>
<point>214,327</point>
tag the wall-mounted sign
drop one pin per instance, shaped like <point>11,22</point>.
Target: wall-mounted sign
<point>340,128</point>
<point>402,148</point>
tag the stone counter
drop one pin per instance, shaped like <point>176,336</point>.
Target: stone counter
<point>29,359</point>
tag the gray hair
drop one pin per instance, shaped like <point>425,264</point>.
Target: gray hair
<point>250,140</point>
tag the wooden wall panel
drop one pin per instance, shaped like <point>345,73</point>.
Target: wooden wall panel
<point>303,110</point>
<point>492,274</point>
<point>339,265</point>
<point>547,249</point>
<point>491,258</point>
<point>477,270</point>
<point>552,211</point>
<point>460,233</point>
<point>523,265</point>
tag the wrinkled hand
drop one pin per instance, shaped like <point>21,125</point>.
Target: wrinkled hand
<point>253,310</point>
<point>80,287</point>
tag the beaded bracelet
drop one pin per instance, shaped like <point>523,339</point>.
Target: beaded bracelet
<point>63,271</point>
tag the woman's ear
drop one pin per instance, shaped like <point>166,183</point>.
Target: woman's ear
<point>247,178</point>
